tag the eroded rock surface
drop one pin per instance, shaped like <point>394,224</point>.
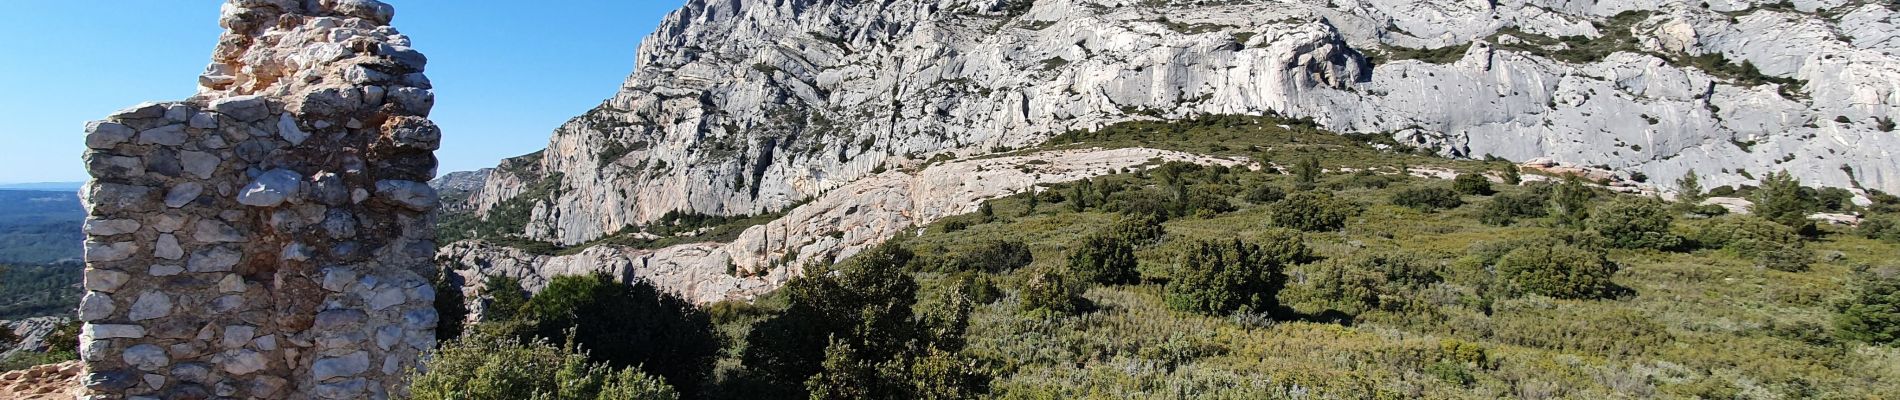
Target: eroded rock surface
<point>212,259</point>
<point>836,225</point>
<point>749,106</point>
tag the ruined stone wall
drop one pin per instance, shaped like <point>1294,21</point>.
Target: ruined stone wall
<point>272,236</point>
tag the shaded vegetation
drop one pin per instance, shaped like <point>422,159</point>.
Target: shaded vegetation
<point>40,227</point>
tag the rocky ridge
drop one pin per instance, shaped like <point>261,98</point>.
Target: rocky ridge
<point>833,226</point>
<point>744,107</point>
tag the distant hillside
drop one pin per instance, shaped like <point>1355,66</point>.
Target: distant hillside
<point>43,186</point>
<point>40,227</point>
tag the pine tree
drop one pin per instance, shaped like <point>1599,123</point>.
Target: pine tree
<point>1781,199</point>
<point>1079,196</point>
<point>1570,202</point>
<point>1306,172</point>
<point>1689,188</point>
<point>1033,199</point>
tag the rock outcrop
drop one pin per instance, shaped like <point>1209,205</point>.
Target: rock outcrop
<point>749,106</point>
<point>270,237</point>
<point>833,226</point>
<point>30,334</point>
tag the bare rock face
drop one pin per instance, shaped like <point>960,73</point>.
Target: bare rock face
<point>211,269</point>
<point>752,106</point>
<point>834,226</point>
<point>749,106</point>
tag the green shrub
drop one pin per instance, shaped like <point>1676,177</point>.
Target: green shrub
<point>1306,172</point>
<point>1139,230</point>
<point>864,304</point>
<point>1284,246</point>
<point>1770,244</point>
<point>1505,209</point>
<point>487,367</point>
<point>1689,188</point>
<point>978,287</point>
<point>1143,202</point>
<point>1201,201</point>
<point>1619,332</point>
<point>1366,179</point>
<point>955,225</point>
<point>1049,292</point>
<point>1871,312</point>
<point>505,298</point>
<point>1264,193</point>
<point>1472,184</point>
<point>1635,223</point>
<point>1220,278</point>
<point>993,256</point>
<point>1311,211</point>
<point>1570,201</point>
<point>1560,271</point>
<point>1881,227</point>
<point>1367,281</point>
<point>1782,199</point>
<point>628,325</point>
<point>1427,199</point>
<point>1511,174</point>
<point>1104,259</point>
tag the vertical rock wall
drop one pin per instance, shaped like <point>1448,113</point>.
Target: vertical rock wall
<point>272,236</point>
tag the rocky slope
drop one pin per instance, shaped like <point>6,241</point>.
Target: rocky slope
<point>749,106</point>
<point>31,333</point>
<point>742,107</point>
<point>836,225</point>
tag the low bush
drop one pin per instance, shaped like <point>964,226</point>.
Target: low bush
<point>487,367</point>
<point>1264,193</point>
<point>1472,184</point>
<point>1881,227</point>
<point>1367,281</point>
<point>992,256</point>
<point>628,325</point>
<point>1049,292</point>
<point>1427,199</point>
<point>1311,211</point>
<point>1635,223</point>
<point>1557,270</point>
<point>1770,244</point>
<point>505,298</point>
<point>1221,278</point>
<point>1104,259</point>
<point>1506,209</point>
<point>1871,312</point>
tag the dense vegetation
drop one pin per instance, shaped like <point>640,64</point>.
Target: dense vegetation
<point>1182,281</point>
<point>40,227</point>
<point>39,290</point>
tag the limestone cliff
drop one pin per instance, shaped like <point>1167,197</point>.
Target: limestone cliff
<point>748,106</point>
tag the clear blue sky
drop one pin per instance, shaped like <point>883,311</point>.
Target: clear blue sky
<point>505,73</point>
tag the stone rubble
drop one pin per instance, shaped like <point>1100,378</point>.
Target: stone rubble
<point>212,220</point>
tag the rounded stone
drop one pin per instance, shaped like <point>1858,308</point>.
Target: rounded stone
<point>146,357</point>
<point>151,305</point>
<point>271,188</point>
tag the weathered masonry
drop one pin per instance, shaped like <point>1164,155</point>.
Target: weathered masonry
<point>270,237</point>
